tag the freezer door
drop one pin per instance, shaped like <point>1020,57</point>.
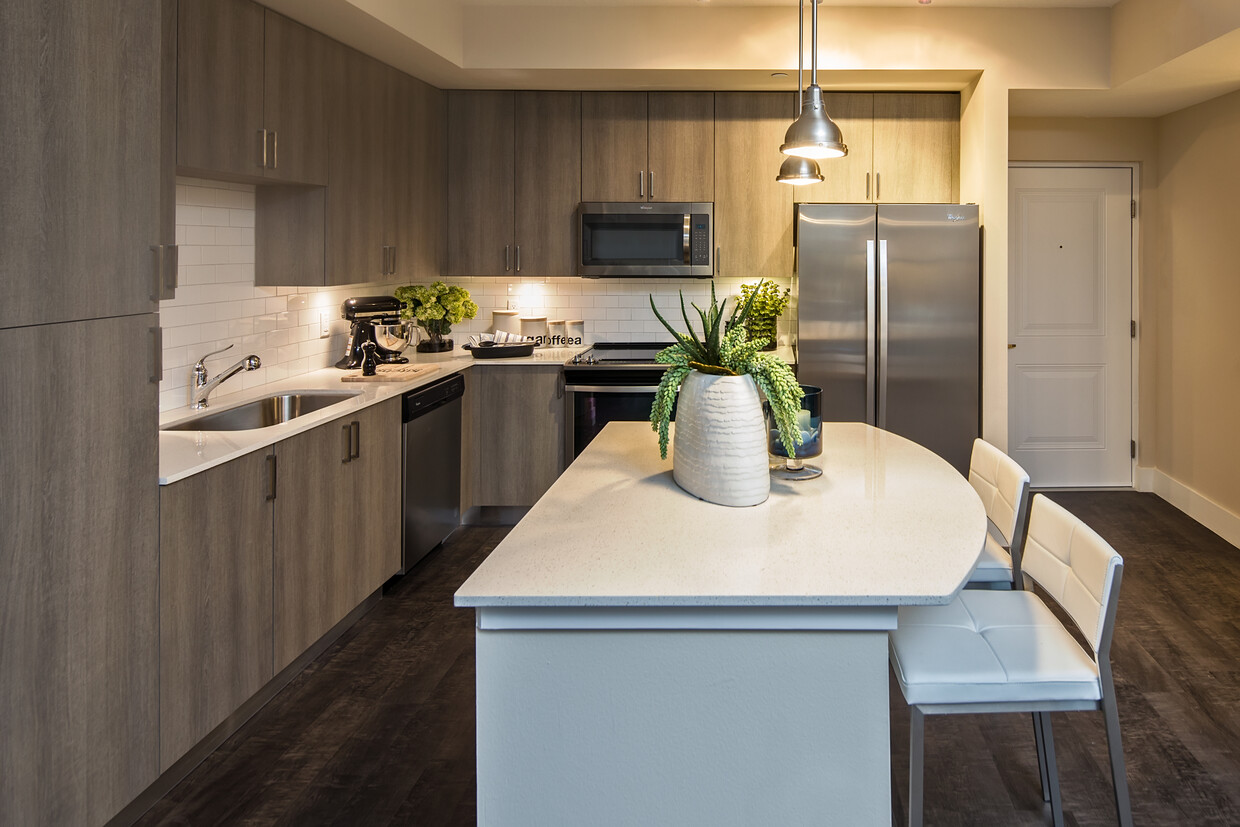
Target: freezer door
<point>928,319</point>
<point>835,307</point>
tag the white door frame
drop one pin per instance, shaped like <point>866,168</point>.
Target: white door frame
<point>1135,298</point>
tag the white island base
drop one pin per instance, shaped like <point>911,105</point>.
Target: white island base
<point>706,726</point>
<point>646,658</point>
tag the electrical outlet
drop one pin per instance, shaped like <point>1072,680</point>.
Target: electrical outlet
<point>513,304</point>
<point>325,327</point>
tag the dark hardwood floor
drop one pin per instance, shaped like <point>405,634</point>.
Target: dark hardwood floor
<point>380,729</point>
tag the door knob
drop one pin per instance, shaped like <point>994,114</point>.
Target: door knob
<point>1011,346</point>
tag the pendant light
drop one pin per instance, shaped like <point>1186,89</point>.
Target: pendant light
<point>796,170</point>
<point>813,134</point>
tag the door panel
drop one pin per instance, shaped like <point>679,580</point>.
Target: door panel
<point>681,138</point>
<point>613,146</point>
<point>548,181</point>
<point>481,199</point>
<point>1071,302</point>
<point>916,147</point>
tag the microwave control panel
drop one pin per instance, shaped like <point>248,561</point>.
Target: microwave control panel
<point>699,239</point>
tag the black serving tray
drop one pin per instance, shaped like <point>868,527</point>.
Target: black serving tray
<point>503,351</point>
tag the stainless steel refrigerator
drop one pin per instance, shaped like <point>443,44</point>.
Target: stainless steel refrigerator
<point>888,301</point>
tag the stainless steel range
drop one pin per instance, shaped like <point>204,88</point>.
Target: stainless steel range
<point>612,381</point>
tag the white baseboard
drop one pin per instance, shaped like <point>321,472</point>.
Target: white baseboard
<point>1201,508</point>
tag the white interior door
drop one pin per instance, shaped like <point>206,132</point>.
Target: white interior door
<point>1070,345</point>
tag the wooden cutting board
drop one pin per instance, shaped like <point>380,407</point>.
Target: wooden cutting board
<point>391,373</point>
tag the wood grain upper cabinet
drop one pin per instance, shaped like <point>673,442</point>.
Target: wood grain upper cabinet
<point>428,151</point>
<point>753,211</point>
<point>916,147</point>
<point>847,180</point>
<point>521,452</point>
<point>356,154</point>
<point>79,117</point>
<point>250,101</point>
<point>295,69</point>
<point>638,146</point>
<point>214,598</point>
<point>548,182</point>
<point>515,182</point>
<point>481,182</point>
<point>681,146</point>
<point>78,599</point>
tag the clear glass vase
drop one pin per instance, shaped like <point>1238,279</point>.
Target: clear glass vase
<point>809,422</point>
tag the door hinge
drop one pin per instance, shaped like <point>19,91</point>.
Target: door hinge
<point>1133,452</point>
<point>1134,208</point>
<point>1132,331</point>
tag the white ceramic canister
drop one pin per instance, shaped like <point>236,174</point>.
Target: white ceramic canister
<point>555,333</point>
<point>575,330</point>
<point>505,320</point>
<point>534,327</point>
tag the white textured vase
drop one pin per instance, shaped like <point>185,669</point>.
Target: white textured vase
<point>719,451</point>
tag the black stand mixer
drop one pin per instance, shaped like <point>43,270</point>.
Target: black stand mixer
<point>368,313</point>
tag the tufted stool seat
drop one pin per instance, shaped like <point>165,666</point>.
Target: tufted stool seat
<point>990,646</point>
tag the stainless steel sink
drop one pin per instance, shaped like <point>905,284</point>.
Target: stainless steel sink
<point>262,413</point>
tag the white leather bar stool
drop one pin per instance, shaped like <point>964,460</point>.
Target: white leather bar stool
<point>1004,488</point>
<point>1005,651</point>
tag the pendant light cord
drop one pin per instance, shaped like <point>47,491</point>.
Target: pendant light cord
<point>813,78</point>
<point>801,60</point>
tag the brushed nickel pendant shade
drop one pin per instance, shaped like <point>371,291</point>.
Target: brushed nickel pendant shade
<point>795,170</point>
<point>813,134</point>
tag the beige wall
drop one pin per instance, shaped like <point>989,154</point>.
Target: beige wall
<point>1127,140</point>
<point>1198,299</point>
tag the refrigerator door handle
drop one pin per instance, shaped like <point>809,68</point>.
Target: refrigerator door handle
<point>870,330</point>
<point>882,333</point>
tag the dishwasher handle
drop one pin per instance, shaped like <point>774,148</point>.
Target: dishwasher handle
<point>422,401</point>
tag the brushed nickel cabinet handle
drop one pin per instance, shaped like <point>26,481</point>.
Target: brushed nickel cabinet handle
<point>262,139</point>
<point>271,478</point>
<point>275,149</point>
<point>348,444</point>
<point>355,432</point>
<point>867,186</point>
<point>518,258</point>
<point>652,183</point>
<point>641,183</point>
<point>878,185</point>
<point>507,257</point>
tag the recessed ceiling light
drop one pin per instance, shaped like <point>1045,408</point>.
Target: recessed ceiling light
<point>779,74</point>
<point>923,2</point>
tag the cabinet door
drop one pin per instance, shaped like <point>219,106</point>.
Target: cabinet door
<point>294,102</point>
<point>613,146</point>
<point>315,572</point>
<point>548,182</point>
<point>917,147</point>
<point>220,87</point>
<point>398,163</point>
<point>480,193</point>
<point>521,433</point>
<point>681,146</point>
<point>753,211</point>
<point>79,127</point>
<point>428,150</point>
<point>78,602</point>
<point>375,485</point>
<point>214,598</point>
<point>355,167</point>
<point>847,180</point>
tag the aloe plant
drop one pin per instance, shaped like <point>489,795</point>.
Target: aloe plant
<point>723,350</point>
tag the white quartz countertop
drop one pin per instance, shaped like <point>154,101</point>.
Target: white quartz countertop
<point>185,453</point>
<point>888,523</point>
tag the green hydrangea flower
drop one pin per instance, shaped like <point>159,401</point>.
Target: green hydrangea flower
<point>436,307</point>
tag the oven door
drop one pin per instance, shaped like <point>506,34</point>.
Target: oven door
<point>590,407</point>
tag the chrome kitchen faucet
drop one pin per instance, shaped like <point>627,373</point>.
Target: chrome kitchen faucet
<point>202,388</point>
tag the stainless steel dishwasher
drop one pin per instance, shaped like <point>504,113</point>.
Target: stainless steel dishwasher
<point>430,467</point>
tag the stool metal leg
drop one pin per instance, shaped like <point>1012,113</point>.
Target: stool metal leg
<point>1037,738</point>
<point>916,764</point>
<point>1052,770</point>
<point>1119,775</point>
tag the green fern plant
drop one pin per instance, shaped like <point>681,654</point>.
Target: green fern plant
<point>723,349</point>
<point>767,304</point>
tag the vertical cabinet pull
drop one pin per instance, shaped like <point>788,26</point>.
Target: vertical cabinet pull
<point>878,185</point>
<point>641,183</point>
<point>262,140</point>
<point>271,477</point>
<point>507,257</point>
<point>355,439</point>
<point>518,258</point>
<point>652,183</point>
<point>867,186</point>
<point>348,444</point>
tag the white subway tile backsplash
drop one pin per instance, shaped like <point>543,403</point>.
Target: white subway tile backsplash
<point>217,302</point>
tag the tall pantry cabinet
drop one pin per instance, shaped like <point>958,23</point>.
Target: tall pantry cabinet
<point>80,93</point>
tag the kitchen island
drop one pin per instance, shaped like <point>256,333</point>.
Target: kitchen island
<point>644,657</point>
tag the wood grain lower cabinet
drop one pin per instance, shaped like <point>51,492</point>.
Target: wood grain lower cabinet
<point>520,433</point>
<point>78,601</point>
<point>337,523</point>
<point>214,598</point>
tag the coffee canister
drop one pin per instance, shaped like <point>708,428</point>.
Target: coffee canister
<point>505,320</point>
<point>555,333</point>
<point>534,327</point>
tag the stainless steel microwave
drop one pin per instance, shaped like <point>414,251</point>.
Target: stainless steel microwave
<point>645,239</point>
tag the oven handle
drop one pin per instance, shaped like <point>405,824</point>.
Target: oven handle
<point>611,388</point>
